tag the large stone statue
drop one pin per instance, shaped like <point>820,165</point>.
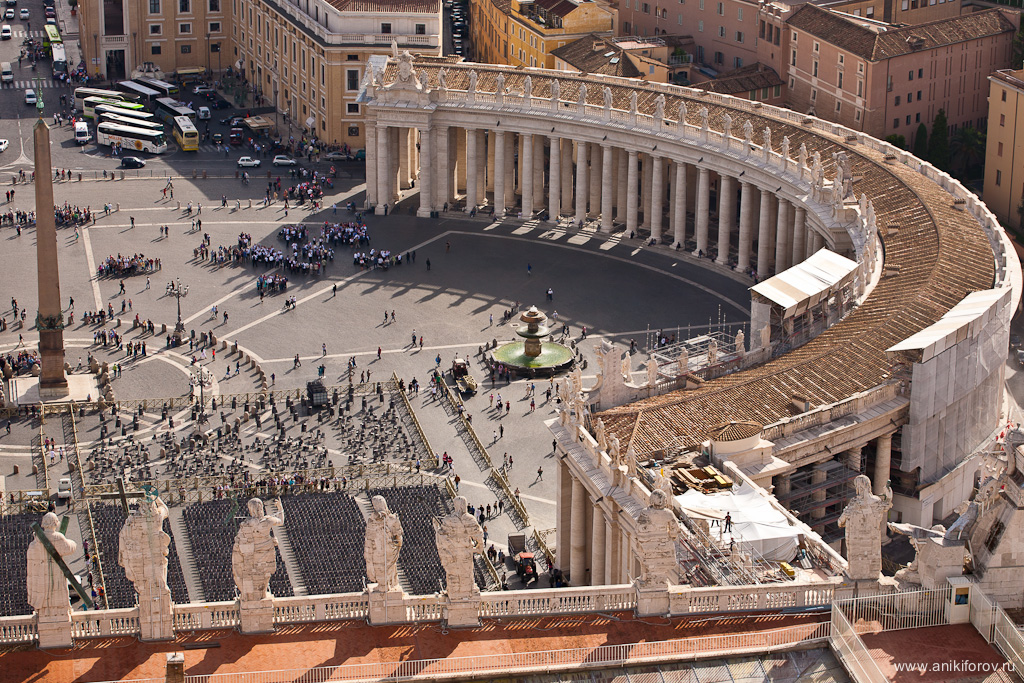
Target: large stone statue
<point>382,546</point>
<point>459,537</point>
<point>656,534</point>
<point>254,556</point>
<point>862,519</point>
<point>47,586</point>
<point>937,556</point>
<point>142,552</point>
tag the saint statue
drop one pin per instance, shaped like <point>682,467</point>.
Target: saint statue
<point>499,90</point>
<point>142,552</point>
<point>726,128</point>
<point>382,546</point>
<point>527,85</point>
<point>458,538</point>
<point>704,116</point>
<point>556,91</point>
<point>254,556</point>
<point>442,79</point>
<point>582,100</point>
<point>652,372</point>
<point>472,81</point>
<point>607,97</point>
<point>748,134</point>
<point>46,584</point>
<point>862,520</point>
<point>659,107</point>
<point>656,534</point>
<point>600,435</point>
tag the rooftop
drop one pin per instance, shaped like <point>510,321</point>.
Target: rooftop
<point>743,80</point>
<point>388,6</point>
<point>1014,79</point>
<point>597,55</point>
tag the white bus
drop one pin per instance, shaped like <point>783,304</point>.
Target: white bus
<point>60,60</point>
<point>82,93</point>
<point>130,122</point>
<point>141,93</point>
<point>90,103</point>
<point>131,138</point>
<point>101,109</point>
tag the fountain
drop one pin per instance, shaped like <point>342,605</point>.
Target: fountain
<point>534,355</point>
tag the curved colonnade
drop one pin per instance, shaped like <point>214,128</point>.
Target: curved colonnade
<point>647,157</point>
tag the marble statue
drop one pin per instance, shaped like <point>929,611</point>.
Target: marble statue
<point>556,91</point>
<point>916,534</point>
<point>458,538</point>
<point>142,551</point>
<point>394,48</point>
<point>682,116</point>
<point>726,129</point>
<point>785,153</point>
<point>652,372</point>
<point>627,367</point>
<point>382,546</point>
<point>499,89</point>
<point>527,86</point>
<point>442,79</point>
<point>576,378</point>
<point>767,143</point>
<point>600,435</point>
<point>741,343</point>
<point>862,520</point>
<point>659,107</point>
<point>472,81</point>
<point>632,103</point>
<point>704,116</point>
<point>607,97</point>
<point>683,361</point>
<point>712,352</point>
<point>254,556</point>
<point>423,79</point>
<point>405,70</point>
<point>844,174</point>
<point>614,451</point>
<point>862,204</point>
<point>581,101</point>
<point>47,587</point>
<point>656,534</point>
<point>748,135</point>
<point>801,158</point>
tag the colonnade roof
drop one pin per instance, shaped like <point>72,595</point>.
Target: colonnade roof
<point>934,256</point>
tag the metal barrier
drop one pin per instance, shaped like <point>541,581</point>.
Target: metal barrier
<point>851,651</point>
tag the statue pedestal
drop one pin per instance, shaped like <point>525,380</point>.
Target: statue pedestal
<point>156,618</point>
<point>54,626</point>
<point>652,600</point>
<point>386,607</point>
<point>462,611</point>
<point>256,616</point>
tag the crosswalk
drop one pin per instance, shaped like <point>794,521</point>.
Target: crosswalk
<point>19,32</point>
<point>41,83</point>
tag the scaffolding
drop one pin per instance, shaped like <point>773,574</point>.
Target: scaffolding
<point>821,503</point>
<point>699,353</point>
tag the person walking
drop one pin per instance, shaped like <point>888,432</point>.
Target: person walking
<point>540,473</point>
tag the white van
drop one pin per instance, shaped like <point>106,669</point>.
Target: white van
<point>204,113</point>
<point>82,135</point>
<point>6,73</point>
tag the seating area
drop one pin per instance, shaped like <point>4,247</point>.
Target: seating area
<point>15,535</point>
<point>211,527</point>
<point>327,531</point>
<point>417,506</point>
<point>107,519</point>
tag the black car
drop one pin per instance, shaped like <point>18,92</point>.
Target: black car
<point>215,101</point>
<point>233,121</point>
<point>132,162</point>
<point>1015,342</point>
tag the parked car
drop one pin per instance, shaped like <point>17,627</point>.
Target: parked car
<point>1015,342</point>
<point>132,162</point>
<point>4,144</point>
<point>50,12</point>
<point>200,89</point>
<point>24,13</point>
<point>5,32</point>
<point>233,121</point>
<point>30,94</point>
<point>8,14</point>
<point>248,162</point>
<point>337,156</point>
<point>216,101</point>
<point>283,160</point>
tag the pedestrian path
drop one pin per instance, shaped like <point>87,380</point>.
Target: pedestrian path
<point>44,82</point>
<point>20,32</point>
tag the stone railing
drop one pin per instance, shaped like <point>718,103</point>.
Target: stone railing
<point>621,598</point>
<point>824,414</point>
<point>307,608</point>
<point>763,597</point>
<point>197,616</point>
<point>16,630</point>
<point>106,622</point>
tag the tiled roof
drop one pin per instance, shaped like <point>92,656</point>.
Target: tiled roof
<point>937,257</point>
<point>559,8</point>
<point>876,42</point>
<point>606,59</point>
<point>386,6</point>
<point>734,431</point>
<point>743,80</point>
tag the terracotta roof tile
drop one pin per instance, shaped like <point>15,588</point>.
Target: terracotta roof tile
<point>607,59</point>
<point>743,80</point>
<point>385,6</point>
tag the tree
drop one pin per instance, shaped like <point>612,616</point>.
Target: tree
<point>938,143</point>
<point>896,141</point>
<point>921,142</point>
<point>968,149</point>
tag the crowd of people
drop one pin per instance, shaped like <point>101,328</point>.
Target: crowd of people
<point>18,217</point>
<point>128,265</point>
<point>72,215</point>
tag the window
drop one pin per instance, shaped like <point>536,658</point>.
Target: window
<point>869,13</point>
<point>842,60</point>
<point>856,115</point>
<point>905,5</point>
<point>792,82</point>
<point>700,27</point>
<point>721,32</point>
<point>214,27</point>
<point>155,29</point>
<point>721,9</point>
<point>910,97</point>
<point>817,46</point>
<point>352,58</point>
<point>860,88</point>
<point>760,30</point>
<point>186,49</point>
<point>421,29</point>
<point>1004,96</point>
<point>719,58</point>
<point>918,95</point>
<point>920,73</point>
<point>701,3</point>
<point>794,36</point>
<point>814,68</point>
<point>814,94</point>
<point>184,28</point>
<point>737,62</point>
<point>214,5</point>
<point>897,101</point>
<point>908,119</point>
<point>385,28</point>
<point>154,50</point>
<point>999,150</point>
<point>778,91</point>
<point>999,177</point>
<point>739,36</point>
<point>154,8</point>
<point>839,106</point>
<point>910,76</point>
<point>739,14</point>
<point>353,131</point>
<point>352,79</point>
<point>1002,120</point>
<point>183,6</point>
<point>895,123</point>
<point>647,8</point>
<point>860,67</point>
<point>840,81</point>
<point>792,58</point>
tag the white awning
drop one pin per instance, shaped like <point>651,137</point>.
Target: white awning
<point>960,322</point>
<point>755,523</point>
<point>807,284</point>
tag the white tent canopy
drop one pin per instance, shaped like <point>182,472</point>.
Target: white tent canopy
<point>808,283</point>
<point>755,523</point>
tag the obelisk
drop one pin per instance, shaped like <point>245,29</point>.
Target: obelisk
<point>50,318</point>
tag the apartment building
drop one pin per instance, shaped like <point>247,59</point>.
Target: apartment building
<point>1004,154</point>
<point>526,32</point>
<point>884,80</point>
<point>900,11</point>
<point>665,59</point>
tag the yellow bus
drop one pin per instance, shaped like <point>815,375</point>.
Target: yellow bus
<point>185,134</point>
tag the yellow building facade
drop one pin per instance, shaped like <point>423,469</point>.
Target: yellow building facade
<point>1004,154</point>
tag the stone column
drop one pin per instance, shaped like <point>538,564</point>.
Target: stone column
<point>538,171</point>
<point>597,549</point>
<point>817,241</point>
<point>564,511</point>
<point>472,198</point>
<point>383,163</point>
<point>657,196</point>
<point>403,158</point>
<point>489,142</point>
<point>510,170</point>
<point>609,552</point>
<point>567,174</point>
<point>799,234</point>
<point>679,206</point>
<point>555,180</point>
<point>726,217</point>
<point>498,144</point>
<point>578,522</point>
<point>595,178</point>
<point>371,167</point>
<point>883,463</point>
<point>782,237</point>
<point>764,233</point>
<point>527,175</point>
<point>426,178</point>
<point>852,458</point>
<point>701,215</point>
<point>443,178</point>
<point>818,476</point>
<point>783,485</point>
<point>646,176</point>
<point>631,194</point>
<point>460,153</point>
<point>621,196</point>
<point>394,172</point>
<point>581,182</point>
<point>606,188</point>
<point>519,176</point>
<point>746,226</point>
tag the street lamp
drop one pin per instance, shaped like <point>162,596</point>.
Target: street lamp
<point>178,291</point>
<point>203,379</point>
